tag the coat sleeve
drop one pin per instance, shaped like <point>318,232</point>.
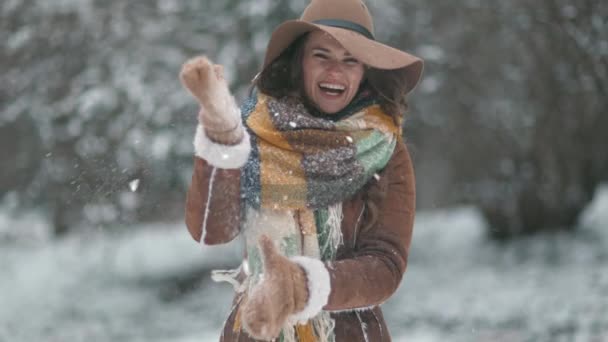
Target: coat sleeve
<point>213,200</point>
<point>373,271</point>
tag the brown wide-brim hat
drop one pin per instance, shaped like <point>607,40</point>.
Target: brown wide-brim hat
<point>350,23</point>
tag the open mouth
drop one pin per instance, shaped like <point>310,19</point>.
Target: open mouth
<point>332,89</point>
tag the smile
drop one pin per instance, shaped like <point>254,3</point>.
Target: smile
<point>332,88</point>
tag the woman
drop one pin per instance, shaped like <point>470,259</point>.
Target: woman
<point>313,173</point>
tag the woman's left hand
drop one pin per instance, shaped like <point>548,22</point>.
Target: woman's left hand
<point>283,291</point>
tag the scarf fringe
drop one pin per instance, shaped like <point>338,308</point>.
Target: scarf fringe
<point>324,327</point>
<point>334,224</point>
<point>317,329</point>
<point>229,276</point>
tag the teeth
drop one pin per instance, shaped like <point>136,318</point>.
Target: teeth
<point>332,86</point>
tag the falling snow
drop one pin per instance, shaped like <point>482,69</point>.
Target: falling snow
<point>134,184</point>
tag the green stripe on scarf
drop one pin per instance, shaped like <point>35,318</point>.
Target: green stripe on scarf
<point>373,151</point>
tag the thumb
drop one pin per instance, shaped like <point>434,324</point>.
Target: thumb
<point>270,256</point>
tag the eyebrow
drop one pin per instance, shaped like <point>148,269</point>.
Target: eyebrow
<point>322,49</point>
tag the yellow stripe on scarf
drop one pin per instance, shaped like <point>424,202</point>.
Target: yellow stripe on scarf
<point>261,123</point>
<point>273,170</point>
<point>237,320</point>
<point>305,333</point>
<point>276,161</point>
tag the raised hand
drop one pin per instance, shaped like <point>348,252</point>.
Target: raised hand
<point>219,114</point>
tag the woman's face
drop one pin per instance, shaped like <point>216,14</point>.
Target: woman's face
<point>331,75</point>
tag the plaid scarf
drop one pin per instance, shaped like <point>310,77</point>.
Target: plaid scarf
<point>302,166</point>
<point>300,160</point>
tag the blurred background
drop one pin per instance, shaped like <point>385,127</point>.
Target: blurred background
<point>508,132</point>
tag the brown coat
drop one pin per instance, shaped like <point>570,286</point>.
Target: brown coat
<point>369,265</point>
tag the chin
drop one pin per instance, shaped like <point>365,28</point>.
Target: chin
<point>328,106</point>
<point>331,109</point>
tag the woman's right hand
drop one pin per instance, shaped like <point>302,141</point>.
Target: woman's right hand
<point>282,292</point>
<point>219,114</point>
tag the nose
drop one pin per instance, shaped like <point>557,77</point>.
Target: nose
<point>334,67</point>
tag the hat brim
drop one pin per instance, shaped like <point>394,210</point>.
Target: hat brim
<point>370,52</point>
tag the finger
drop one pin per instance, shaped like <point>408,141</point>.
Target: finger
<point>186,79</point>
<point>205,72</point>
<point>200,61</point>
<point>188,72</point>
<point>266,245</point>
<point>192,63</point>
<point>269,253</point>
<point>186,67</point>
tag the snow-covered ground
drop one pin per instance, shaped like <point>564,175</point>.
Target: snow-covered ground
<point>123,286</point>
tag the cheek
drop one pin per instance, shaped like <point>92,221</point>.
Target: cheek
<point>308,74</point>
<point>356,76</point>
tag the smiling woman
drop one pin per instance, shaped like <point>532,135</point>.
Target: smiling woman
<point>313,173</point>
<point>331,74</point>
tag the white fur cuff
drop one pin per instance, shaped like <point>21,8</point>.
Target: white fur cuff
<point>221,156</point>
<point>319,288</point>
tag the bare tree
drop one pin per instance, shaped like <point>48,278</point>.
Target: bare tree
<point>512,117</point>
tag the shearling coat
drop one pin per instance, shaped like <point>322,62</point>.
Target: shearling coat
<point>369,264</point>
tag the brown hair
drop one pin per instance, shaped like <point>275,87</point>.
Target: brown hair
<point>280,78</point>
<point>283,77</point>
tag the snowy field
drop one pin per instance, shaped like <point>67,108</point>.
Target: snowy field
<point>121,286</point>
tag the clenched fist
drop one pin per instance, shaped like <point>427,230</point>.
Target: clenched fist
<point>219,114</point>
<point>282,292</point>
